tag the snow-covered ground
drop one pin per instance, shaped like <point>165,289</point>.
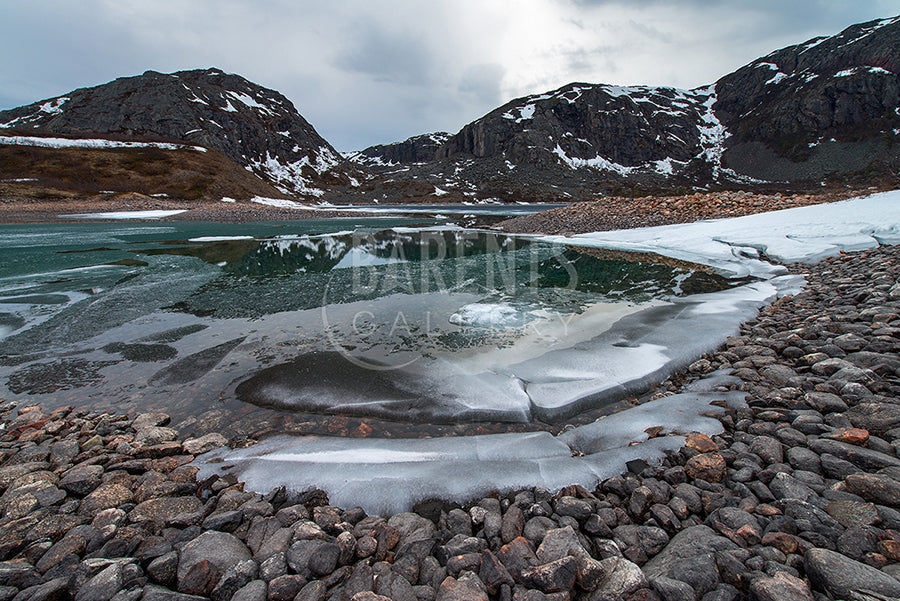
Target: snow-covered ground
<point>390,475</point>
<point>90,143</point>
<point>115,215</point>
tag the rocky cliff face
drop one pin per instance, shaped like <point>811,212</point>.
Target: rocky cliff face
<point>827,108</point>
<point>418,149</point>
<point>254,126</point>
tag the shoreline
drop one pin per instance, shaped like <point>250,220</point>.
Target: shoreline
<point>799,496</point>
<point>608,213</point>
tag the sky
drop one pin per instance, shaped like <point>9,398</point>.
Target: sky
<point>367,72</point>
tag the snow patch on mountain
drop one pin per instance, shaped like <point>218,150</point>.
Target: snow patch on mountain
<point>90,143</point>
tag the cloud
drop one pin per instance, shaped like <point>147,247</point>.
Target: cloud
<point>374,71</point>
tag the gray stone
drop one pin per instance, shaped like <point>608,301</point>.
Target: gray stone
<point>559,543</point>
<point>768,449</point>
<point>781,587</point>
<point>624,578</point>
<point>536,528</point>
<point>103,586</point>
<point>853,513</point>
<point>576,508</point>
<point>467,588</point>
<point>412,527</point>
<point>690,557</point>
<point>673,590</point>
<point>859,456</point>
<point>845,578</point>
<point>314,591</point>
<point>255,590</point>
<point>313,557</point>
<point>158,593</point>
<point>825,402</point>
<point>784,486</point>
<point>207,442</point>
<point>164,569</point>
<point>221,549</point>
<point>233,579</point>
<point>553,577</point>
<point>877,418</point>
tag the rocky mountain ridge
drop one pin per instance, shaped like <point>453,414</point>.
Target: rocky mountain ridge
<point>824,109</point>
<point>254,126</point>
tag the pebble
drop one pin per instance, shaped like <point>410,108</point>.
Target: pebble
<point>797,498</point>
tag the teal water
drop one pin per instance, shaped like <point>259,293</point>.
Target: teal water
<point>209,322</point>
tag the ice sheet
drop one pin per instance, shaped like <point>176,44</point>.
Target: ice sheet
<point>387,476</point>
<point>390,475</point>
<point>126,215</point>
<point>733,246</point>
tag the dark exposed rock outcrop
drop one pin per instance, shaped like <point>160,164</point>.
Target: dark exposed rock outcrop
<point>252,125</point>
<point>827,108</point>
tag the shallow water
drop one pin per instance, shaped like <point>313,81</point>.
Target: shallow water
<point>360,327</point>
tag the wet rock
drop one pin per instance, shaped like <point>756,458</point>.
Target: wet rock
<point>781,587</point>
<point>844,578</point>
<point>624,578</point>
<point>467,588</point>
<point>875,487</point>
<point>221,549</point>
<point>877,418</point>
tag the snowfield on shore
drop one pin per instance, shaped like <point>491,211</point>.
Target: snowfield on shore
<point>385,476</point>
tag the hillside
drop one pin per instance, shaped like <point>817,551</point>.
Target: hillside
<point>186,174</point>
<point>255,127</point>
<point>826,109</point>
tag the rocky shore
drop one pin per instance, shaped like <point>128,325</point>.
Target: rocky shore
<point>618,213</point>
<point>798,498</point>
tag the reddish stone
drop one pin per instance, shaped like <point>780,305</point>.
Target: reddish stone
<point>201,579</point>
<point>701,443</point>
<point>889,548</point>
<point>782,541</point>
<point>854,436</point>
<point>707,466</point>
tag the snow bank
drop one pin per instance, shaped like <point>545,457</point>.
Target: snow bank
<point>90,143</point>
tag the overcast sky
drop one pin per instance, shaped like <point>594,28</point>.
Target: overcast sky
<point>366,72</point>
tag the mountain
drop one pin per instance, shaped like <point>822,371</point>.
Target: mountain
<point>824,109</point>
<point>254,126</point>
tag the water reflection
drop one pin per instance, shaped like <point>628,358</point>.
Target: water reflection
<point>411,325</point>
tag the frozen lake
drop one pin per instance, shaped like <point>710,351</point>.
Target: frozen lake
<point>417,326</point>
<point>389,343</point>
